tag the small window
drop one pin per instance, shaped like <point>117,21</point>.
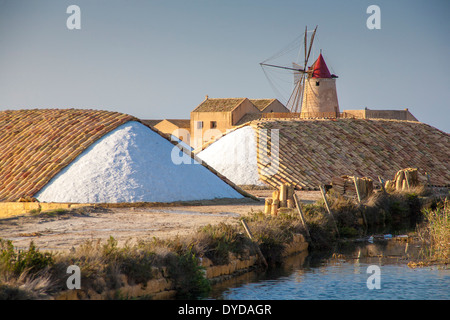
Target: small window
<point>317,83</point>
<point>213,124</point>
<point>199,124</point>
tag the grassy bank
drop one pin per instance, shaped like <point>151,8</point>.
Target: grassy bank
<point>434,233</point>
<point>31,274</point>
<point>394,213</point>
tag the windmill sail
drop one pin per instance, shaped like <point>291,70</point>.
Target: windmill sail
<point>297,74</point>
<point>294,102</point>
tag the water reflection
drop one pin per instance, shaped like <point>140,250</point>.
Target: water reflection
<point>342,274</point>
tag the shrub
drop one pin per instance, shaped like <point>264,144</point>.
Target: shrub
<point>435,232</point>
<point>216,242</point>
<point>20,261</point>
<point>272,233</point>
<point>188,275</point>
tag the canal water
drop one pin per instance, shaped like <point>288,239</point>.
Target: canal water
<point>361,271</point>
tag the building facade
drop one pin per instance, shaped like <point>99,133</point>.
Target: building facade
<point>214,116</point>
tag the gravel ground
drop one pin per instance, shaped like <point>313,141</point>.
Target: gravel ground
<point>61,232</point>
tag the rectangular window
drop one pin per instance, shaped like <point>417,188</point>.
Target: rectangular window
<point>199,124</point>
<point>213,124</point>
<point>317,83</point>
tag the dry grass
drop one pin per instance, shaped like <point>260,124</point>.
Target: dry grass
<point>435,233</point>
<point>272,233</point>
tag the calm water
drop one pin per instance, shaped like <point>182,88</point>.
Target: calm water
<point>343,277</point>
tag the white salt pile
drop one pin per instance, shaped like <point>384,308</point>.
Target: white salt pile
<point>234,156</point>
<point>133,164</point>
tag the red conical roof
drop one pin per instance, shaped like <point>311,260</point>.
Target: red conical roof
<point>320,68</point>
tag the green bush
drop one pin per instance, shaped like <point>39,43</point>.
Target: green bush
<point>188,275</point>
<point>17,262</point>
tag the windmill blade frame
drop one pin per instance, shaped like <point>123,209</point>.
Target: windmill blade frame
<point>294,104</point>
<point>295,101</point>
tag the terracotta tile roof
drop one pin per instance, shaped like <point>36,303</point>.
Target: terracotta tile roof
<point>151,122</point>
<point>36,144</point>
<point>248,117</point>
<point>218,104</point>
<point>312,152</point>
<point>261,104</point>
<point>180,123</point>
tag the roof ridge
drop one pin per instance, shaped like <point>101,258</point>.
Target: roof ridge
<point>235,103</point>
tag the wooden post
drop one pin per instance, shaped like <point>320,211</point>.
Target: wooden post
<point>407,178</point>
<point>328,209</point>
<point>283,195</point>
<point>290,192</point>
<point>300,212</point>
<point>268,206</point>
<point>382,184</point>
<point>290,203</point>
<point>357,189</point>
<point>258,250</point>
<point>276,195</point>
<point>399,180</point>
<point>275,205</point>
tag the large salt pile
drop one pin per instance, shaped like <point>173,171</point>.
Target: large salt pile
<point>309,153</point>
<point>234,156</point>
<point>133,164</point>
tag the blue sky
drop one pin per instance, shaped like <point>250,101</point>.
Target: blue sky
<point>158,59</point>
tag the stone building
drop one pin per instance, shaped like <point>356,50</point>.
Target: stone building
<point>214,116</point>
<point>179,128</point>
<point>382,114</point>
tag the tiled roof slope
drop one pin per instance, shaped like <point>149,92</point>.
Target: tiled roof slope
<point>180,123</point>
<point>151,122</point>
<point>261,104</point>
<point>312,152</point>
<point>248,117</point>
<point>36,144</point>
<point>218,104</point>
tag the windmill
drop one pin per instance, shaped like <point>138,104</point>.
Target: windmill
<point>294,103</point>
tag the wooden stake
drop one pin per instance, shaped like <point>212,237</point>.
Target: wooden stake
<point>290,203</point>
<point>268,206</point>
<point>283,195</point>
<point>290,192</point>
<point>276,195</point>
<point>407,175</point>
<point>274,208</point>
<point>399,180</point>
<point>328,209</point>
<point>382,184</point>
<point>258,250</point>
<point>300,212</point>
<point>357,189</point>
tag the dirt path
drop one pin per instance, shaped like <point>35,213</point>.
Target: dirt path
<point>61,232</point>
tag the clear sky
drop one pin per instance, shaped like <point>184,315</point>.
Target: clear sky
<point>158,59</point>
